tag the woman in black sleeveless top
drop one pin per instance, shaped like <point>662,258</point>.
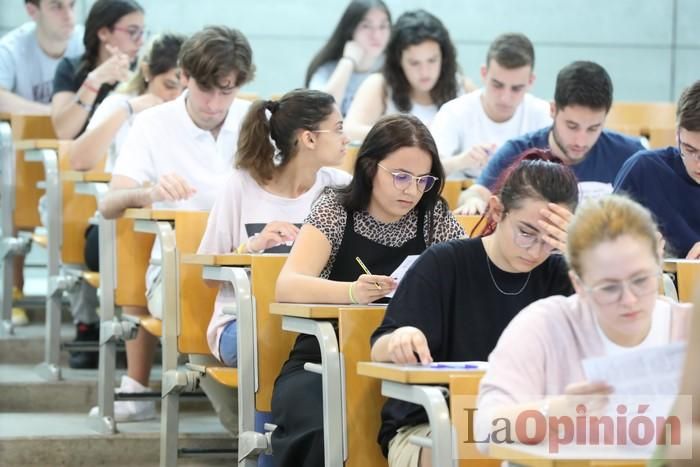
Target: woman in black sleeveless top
<point>391,209</point>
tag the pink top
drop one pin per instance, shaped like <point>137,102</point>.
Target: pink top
<point>541,350</point>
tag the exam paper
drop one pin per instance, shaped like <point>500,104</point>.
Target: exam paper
<point>401,271</point>
<point>654,371</point>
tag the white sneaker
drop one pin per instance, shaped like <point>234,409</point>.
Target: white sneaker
<point>131,411</point>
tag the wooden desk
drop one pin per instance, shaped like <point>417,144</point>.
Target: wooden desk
<point>578,456</point>
<point>687,277</point>
<point>313,319</point>
<point>412,374</point>
<point>146,214</point>
<point>417,385</point>
<point>232,259</point>
<point>85,177</point>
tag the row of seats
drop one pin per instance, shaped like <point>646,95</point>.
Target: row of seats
<point>353,400</point>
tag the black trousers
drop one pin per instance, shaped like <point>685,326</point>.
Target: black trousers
<point>92,248</point>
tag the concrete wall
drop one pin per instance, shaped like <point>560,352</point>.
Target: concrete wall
<point>650,47</point>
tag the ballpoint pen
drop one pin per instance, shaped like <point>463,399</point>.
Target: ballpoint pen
<point>364,268</point>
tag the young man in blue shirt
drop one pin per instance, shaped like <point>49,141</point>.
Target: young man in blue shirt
<point>582,100</point>
<point>667,181</point>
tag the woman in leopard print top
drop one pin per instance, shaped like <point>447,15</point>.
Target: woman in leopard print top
<point>391,209</point>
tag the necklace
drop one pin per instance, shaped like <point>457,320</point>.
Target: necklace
<point>488,265</point>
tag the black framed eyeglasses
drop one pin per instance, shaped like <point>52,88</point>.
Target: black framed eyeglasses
<point>402,180</point>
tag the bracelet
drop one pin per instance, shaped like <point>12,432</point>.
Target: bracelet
<point>90,87</point>
<point>353,300</point>
<point>354,63</point>
<point>247,245</point>
<point>83,105</point>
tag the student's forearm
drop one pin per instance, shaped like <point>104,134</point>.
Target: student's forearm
<point>453,164</point>
<point>380,349</point>
<point>475,191</point>
<point>12,103</point>
<point>299,288</point>
<point>115,202</point>
<point>90,147</point>
<point>338,82</point>
<point>68,115</point>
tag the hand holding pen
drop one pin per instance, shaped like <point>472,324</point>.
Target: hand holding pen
<point>368,287</point>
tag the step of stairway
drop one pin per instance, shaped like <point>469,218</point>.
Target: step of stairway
<point>23,390</point>
<point>65,439</point>
<point>26,345</point>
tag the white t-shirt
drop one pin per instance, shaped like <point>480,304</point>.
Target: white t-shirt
<point>164,140</point>
<point>112,103</point>
<point>462,123</point>
<point>425,113</point>
<point>25,69</point>
<point>659,333</point>
<point>242,201</point>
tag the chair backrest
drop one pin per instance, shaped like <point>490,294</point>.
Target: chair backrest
<point>28,174</point>
<point>469,222</point>
<point>451,192</point>
<point>688,278</point>
<point>196,303</point>
<point>273,344</point>
<point>464,390</point>
<point>76,212</point>
<point>662,137</point>
<point>132,254</point>
<point>364,400</point>
<point>637,118</point>
<point>348,163</point>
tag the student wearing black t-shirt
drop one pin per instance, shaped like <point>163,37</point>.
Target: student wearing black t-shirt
<point>457,298</point>
<point>113,36</point>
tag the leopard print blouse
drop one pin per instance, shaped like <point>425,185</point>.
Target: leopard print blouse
<point>330,217</point>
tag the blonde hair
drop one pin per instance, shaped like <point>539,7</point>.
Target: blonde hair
<point>606,219</point>
<point>160,56</point>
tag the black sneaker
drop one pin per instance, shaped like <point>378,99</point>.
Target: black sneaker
<point>85,360</point>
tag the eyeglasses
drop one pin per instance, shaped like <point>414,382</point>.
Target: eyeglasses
<point>135,33</point>
<point>694,155</point>
<point>402,180</point>
<point>613,291</point>
<point>337,131</point>
<point>527,240</point>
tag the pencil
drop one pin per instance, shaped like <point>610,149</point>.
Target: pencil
<point>364,268</point>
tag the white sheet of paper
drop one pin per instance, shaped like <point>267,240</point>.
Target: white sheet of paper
<point>401,271</point>
<point>654,371</point>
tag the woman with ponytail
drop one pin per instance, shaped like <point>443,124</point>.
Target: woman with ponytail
<point>113,36</point>
<point>283,149</point>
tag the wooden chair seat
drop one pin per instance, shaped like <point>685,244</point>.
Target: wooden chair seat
<point>92,278</point>
<point>224,375</point>
<point>152,325</point>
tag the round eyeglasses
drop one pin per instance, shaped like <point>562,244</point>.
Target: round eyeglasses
<point>402,180</point>
<point>611,292</point>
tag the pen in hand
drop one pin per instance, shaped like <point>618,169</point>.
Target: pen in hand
<point>364,268</point>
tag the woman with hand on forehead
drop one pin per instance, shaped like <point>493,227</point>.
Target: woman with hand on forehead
<point>391,209</point>
<point>457,298</point>
<point>615,266</point>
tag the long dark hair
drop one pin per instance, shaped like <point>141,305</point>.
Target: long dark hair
<point>352,16</point>
<point>103,14</point>
<point>535,174</point>
<point>301,109</point>
<point>388,135</point>
<point>413,28</point>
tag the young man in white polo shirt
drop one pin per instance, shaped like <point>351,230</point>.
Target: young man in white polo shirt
<point>184,149</point>
<point>471,127</point>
